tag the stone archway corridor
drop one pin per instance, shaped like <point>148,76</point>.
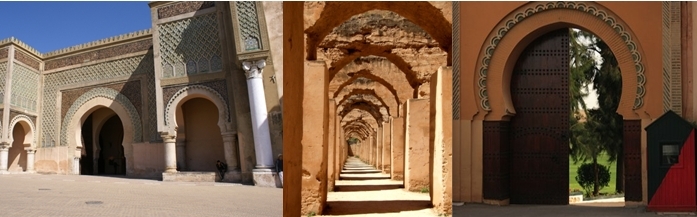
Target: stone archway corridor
<point>376,109</point>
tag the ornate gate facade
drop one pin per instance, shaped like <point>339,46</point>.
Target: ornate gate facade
<point>539,131</point>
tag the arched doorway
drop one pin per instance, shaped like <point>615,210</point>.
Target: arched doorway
<point>111,154</point>
<point>17,156</point>
<point>102,139</point>
<point>540,133</point>
<point>203,144</point>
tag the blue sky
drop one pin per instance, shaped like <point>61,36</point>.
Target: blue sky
<point>49,26</point>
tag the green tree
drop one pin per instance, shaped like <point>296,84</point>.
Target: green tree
<point>601,130</point>
<point>582,67</point>
<point>607,82</point>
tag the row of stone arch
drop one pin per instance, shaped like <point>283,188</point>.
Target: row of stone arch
<point>361,89</point>
<point>133,133</point>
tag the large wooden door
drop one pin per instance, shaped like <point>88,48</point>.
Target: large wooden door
<point>539,144</point>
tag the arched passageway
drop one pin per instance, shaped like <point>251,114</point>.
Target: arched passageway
<point>102,141</point>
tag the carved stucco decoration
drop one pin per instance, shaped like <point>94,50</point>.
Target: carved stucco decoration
<point>109,94</point>
<point>533,9</point>
<point>249,25</point>
<point>32,127</point>
<point>24,91</point>
<point>102,71</point>
<point>170,107</point>
<point>190,46</point>
<point>3,72</point>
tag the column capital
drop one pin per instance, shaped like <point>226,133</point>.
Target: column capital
<point>229,134</point>
<point>166,137</point>
<point>253,68</point>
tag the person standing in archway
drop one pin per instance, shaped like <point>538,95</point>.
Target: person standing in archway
<point>279,167</point>
<point>222,168</point>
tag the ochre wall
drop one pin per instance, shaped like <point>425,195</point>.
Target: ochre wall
<point>204,144</point>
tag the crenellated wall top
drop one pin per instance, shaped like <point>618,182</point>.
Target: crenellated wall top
<point>77,48</point>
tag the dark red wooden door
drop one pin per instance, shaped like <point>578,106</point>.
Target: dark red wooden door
<point>539,144</point>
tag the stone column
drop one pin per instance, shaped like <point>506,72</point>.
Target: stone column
<point>331,144</point>
<point>257,103</point>
<point>314,127</point>
<point>397,171</point>
<point>76,165</point>
<point>378,146</point>
<point>386,144</point>
<point>4,149</point>
<point>441,127</point>
<point>30,160</point>
<point>181,153</point>
<point>231,157</point>
<point>416,156</point>
<point>170,152</point>
<point>369,147</point>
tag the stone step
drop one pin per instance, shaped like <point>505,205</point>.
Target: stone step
<point>369,176</point>
<point>367,185</point>
<point>385,201</point>
<point>360,171</point>
<point>185,176</point>
<point>360,168</point>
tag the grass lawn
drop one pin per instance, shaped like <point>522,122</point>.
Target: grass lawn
<point>610,189</point>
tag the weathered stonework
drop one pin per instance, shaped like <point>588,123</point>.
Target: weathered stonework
<point>133,47</point>
<point>182,8</point>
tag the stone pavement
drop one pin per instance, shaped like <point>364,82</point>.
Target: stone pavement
<point>364,191</point>
<point>607,208</point>
<point>72,195</point>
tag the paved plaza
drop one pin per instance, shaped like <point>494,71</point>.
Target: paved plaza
<point>71,195</point>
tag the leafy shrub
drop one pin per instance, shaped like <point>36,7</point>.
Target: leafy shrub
<point>585,176</point>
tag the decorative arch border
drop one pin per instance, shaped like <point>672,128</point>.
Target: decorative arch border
<point>110,94</point>
<point>534,8</point>
<point>31,124</point>
<point>182,93</point>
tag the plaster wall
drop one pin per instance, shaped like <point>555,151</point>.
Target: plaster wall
<point>53,160</point>
<point>148,159</point>
<point>273,11</point>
